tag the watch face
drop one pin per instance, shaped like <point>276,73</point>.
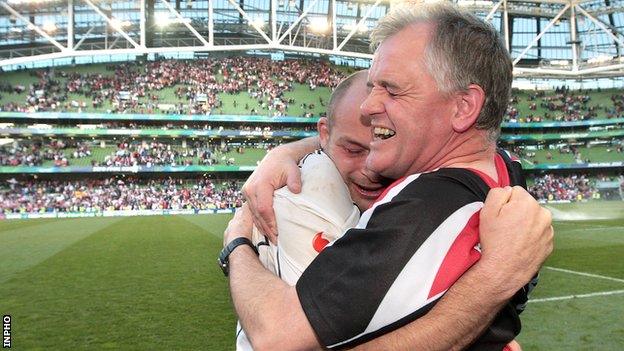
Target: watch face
<point>222,261</point>
<point>223,266</point>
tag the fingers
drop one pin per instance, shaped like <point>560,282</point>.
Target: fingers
<point>229,230</point>
<point>272,238</point>
<point>551,235</point>
<point>264,216</point>
<point>293,180</point>
<point>496,198</point>
<point>545,217</point>
<point>523,203</point>
<point>239,226</point>
<point>518,193</point>
<point>514,346</point>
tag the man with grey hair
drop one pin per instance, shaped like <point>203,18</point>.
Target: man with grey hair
<point>433,119</point>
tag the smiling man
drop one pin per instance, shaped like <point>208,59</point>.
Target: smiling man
<point>439,86</point>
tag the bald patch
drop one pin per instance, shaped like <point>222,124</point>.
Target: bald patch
<point>340,92</point>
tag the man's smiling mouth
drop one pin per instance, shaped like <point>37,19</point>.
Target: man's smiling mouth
<point>383,133</point>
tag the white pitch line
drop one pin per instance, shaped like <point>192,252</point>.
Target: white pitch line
<point>569,297</point>
<point>585,274</point>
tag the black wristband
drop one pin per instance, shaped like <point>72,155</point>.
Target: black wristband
<point>224,261</point>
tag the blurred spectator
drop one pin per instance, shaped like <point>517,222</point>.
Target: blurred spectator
<point>117,194</point>
<point>26,153</point>
<point>551,187</point>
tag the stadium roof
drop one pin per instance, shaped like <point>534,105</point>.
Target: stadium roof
<point>552,38</point>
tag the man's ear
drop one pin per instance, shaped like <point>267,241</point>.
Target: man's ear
<point>323,129</point>
<point>469,105</point>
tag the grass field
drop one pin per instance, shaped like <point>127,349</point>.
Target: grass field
<point>152,283</point>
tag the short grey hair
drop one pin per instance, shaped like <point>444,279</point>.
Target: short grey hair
<point>463,50</point>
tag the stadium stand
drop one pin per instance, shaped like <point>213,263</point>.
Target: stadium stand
<point>254,86</point>
<point>56,152</point>
<point>569,153</point>
<point>244,85</point>
<point>165,119</point>
<point>67,152</point>
<point>564,105</point>
<point>117,194</point>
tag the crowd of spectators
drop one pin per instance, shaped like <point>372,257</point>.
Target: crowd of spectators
<point>552,187</point>
<point>260,127</point>
<point>156,153</point>
<point>562,105</point>
<point>130,193</point>
<point>36,153</point>
<point>126,152</point>
<point>132,87</point>
<point>41,196</point>
<point>578,151</point>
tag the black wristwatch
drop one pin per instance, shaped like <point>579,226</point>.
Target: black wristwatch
<point>224,261</point>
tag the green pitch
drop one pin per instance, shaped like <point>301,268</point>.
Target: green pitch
<point>147,283</point>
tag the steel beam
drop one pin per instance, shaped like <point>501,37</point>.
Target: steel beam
<point>183,20</point>
<point>292,26</point>
<point>357,26</point>
<point>111,23</point>
<point>250,21</point>
<point>599,24</point>
<point>541,34</point>
<point>33,26</point>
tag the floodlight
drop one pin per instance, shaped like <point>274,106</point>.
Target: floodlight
<point>115,23</point>
<point>48,26</point>
<point>318,24</point>
<point>162,19</point>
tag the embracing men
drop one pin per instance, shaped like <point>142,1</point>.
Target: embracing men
<point>439,86</point>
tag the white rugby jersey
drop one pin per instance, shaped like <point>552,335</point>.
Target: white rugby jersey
<point>306,222</point>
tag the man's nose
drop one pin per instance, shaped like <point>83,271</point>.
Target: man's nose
<point>371,106</point>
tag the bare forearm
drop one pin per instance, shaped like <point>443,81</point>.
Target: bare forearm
<point>300,148</point>
<point>267,307</point>
<point>455,322</point>
<point>252,288</point>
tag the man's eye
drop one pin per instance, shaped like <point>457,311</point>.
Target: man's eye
<point>354,151</point>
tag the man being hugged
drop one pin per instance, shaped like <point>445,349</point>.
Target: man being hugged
<point>439,86</point>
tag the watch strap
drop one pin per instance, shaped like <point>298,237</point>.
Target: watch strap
<point>229,248</point>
